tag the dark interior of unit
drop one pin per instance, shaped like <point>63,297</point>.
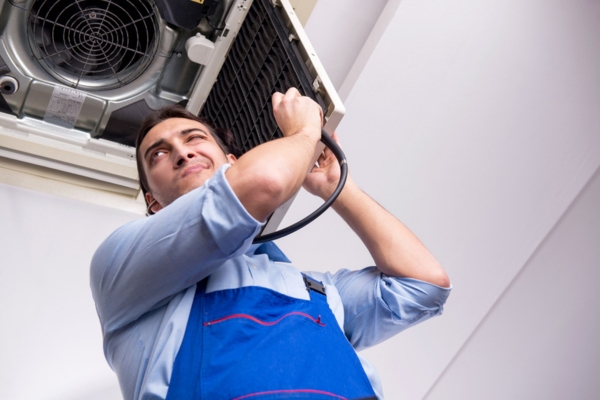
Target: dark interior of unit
<point>261,61</point>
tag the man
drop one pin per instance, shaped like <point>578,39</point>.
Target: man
<point>191,309</point>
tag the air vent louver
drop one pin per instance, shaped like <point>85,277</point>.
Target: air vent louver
<point>263,59</point>
<point>93,44</point>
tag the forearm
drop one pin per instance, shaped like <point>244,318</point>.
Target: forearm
<point>270,174</point>
<point>394,248</point>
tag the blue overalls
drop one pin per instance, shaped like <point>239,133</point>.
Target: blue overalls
<point>256,343</point>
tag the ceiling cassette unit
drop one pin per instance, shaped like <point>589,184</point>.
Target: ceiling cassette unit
<point>77,77</point>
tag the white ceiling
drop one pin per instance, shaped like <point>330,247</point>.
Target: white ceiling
<point>338,31</point>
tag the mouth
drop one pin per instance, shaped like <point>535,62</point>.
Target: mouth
<point>192,169</point>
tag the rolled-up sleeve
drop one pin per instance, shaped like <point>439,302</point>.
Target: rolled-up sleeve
<point>146,262</point>
<point>377,306</point>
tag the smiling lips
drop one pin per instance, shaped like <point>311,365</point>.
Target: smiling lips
<point>193,169</point>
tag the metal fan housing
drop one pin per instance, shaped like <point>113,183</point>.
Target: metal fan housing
<point>93,44</point>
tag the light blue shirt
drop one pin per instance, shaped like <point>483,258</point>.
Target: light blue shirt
<point>144,276</point>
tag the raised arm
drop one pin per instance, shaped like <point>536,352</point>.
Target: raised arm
<point>269,174</point>
<point>143,264</point>
<point>394,248</point>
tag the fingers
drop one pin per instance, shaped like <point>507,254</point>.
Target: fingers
<point>321,159</point>
<point>296,113</point>
<point>326,158</point>
<point>278,97</point>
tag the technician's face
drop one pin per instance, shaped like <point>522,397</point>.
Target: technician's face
<point>178,156</point>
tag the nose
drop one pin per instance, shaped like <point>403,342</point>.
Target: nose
<point>182,156</point>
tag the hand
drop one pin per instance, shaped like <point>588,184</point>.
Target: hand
<point>295,114</point>
<point>324,176</point>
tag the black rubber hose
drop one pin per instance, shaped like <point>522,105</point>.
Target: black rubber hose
<point>339,154</point>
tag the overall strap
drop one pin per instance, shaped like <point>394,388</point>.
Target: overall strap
<point>314,286</point>
<point>272,251</point>
<point>183,385</point>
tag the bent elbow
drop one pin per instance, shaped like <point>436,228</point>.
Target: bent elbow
<point>440,278</point>
<point>261,193</point>
<point>272,190</point>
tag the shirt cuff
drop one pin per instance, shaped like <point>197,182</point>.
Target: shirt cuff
<point>412,299</point>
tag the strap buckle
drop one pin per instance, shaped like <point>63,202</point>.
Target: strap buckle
<point>311,284</point>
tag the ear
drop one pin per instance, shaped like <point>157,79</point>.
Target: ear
<point>156,207</point>
<point>231,159</point>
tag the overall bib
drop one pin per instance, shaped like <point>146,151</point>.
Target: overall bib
<point>255,343</point>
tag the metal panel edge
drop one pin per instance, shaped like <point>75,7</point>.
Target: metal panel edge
<point>233,23</point>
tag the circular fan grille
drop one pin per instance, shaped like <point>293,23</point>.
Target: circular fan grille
<point>93,44</point>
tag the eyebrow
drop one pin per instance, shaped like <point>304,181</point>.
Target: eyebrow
<point>160,142</point>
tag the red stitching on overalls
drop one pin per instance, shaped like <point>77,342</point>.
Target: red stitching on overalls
<point>290,391</point>
<point>266,323</point>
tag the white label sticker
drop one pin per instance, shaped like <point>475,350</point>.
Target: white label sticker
<point>64,106</point>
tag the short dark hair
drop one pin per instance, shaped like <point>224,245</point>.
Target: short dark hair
<point>223,136</point>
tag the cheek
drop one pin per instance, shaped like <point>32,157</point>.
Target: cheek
<point>157,179</point>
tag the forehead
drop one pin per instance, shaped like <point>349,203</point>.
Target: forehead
<point>171,129</point>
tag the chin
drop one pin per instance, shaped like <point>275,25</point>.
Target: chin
<point>193,185</point>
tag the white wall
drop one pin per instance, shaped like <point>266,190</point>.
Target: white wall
<point>476,123</point>
<point>50,341</point>
<point>539,341</point>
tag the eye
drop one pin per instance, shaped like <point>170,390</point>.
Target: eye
<point>157,155</point>
<point>196,137</point>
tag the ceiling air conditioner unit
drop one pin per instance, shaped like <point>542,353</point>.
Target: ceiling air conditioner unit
<point>77,77</point>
